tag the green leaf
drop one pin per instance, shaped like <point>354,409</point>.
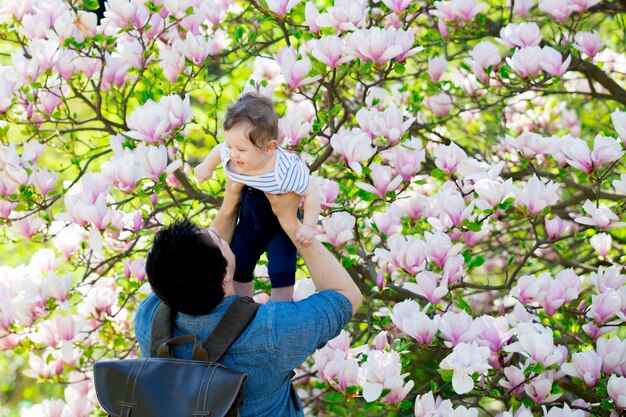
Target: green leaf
<point>437,173</point>
<point>399,68</point>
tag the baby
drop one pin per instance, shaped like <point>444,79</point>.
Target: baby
<point>251,155</point>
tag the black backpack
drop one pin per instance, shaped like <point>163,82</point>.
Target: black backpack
<point>163,386</point>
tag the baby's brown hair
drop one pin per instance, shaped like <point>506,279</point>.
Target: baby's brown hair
<point>259,113</point>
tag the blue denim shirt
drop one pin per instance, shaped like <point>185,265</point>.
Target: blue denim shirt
<point>281,337</point>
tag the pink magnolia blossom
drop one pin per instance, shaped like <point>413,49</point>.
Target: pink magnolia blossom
<point>604,306</point>
<point>293,128</point>
<point>601,243</point>
<point>27,227</point>
<point>513,379</point>
<point>440,247</point>
<point>466,10</point>
<point>391,124</point>
<point>601,217</point>
<point>566,411</point>
<point>465,360</point>
<point>484,55</point>
<point>123,13</point>
<point>452,204</point>
<point>295,71</point>
<point>35,26</point>
<point>398,6</point>
<point>58,286</point>
<point>381,45</point>
<point>304,288</point>
<point>495,333</point>
<point>338,228</point>
<point>571,283</point>
<point>387,221</point>
<point>429,285</point>
<point>539,389</point>
<point>520,36</point>
<point>619,123</point>
<point>406,252</point>
<point>44,180</point>
<point>381,371</point>
<point>588,43</point>
<point>407,158</point>
<point>459,327</point>
<point>149,123</point>
<point>554,296</point>
<point>329,50</point>
<point>492,192</point>
<point>552,61</point>
<point>536,196</point>
<point>177,109</point>
<point>329,191</point>
<point>344,15</point>
<point>440,104</point>
<point>610,277</point>
<point>613,353</point>
<point>416,207</point>
<point>281,7</point>
<point>526,62</point>
<point>595,332</point>
<point>582,5</point>
<point>368,121</point>
<point>522,7</point>
<point>355,146</point>
<point>448,158</point>
<point>196,48</point>
<point>427,406</point>
<point>531,144</point>
<point>415,323</point>
<point>436,68</point>
<point>605,149</point>
<point>131,51</point>
<point>115,72</point>
<point>382,179</point>
<point>310,15</point>
<point>87,65</point>
<point>172,61</point>
<point>558,10</point>
<point>616,388</point>
<point>585,366</point>
<point>529,288</point>
<point>536,343</point>
<point>135,267</point>
<point>341,371</point>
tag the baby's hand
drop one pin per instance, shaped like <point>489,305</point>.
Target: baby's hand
<point>202,172</point>
<point>305,234</point>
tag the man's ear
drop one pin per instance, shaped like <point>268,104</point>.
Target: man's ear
<point>270,146</point>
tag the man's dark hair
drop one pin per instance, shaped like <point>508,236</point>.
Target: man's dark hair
<point>185,268</point>
<point>259,113</point>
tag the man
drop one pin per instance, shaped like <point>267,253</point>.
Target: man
<point>191,270</point>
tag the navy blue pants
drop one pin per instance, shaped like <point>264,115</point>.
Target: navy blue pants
<point>259,231</point>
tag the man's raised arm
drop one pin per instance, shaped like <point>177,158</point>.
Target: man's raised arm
<point>226,218</point>
<point>326,271</point>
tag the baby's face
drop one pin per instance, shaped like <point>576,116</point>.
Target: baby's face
<point>248,159</point>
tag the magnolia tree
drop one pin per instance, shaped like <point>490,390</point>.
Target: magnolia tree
<point>470,160</point>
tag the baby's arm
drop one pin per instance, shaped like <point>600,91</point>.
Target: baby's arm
<point>204,170</point>
<point>312,206</point>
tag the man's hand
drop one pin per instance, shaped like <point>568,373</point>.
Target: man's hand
<point>305,234</point>
<point>226,219</point>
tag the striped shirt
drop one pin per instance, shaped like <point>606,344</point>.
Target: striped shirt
<point>289,175</point>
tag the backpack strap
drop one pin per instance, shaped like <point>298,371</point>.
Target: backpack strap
<point>233,323</point>
<point>161,328</point>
